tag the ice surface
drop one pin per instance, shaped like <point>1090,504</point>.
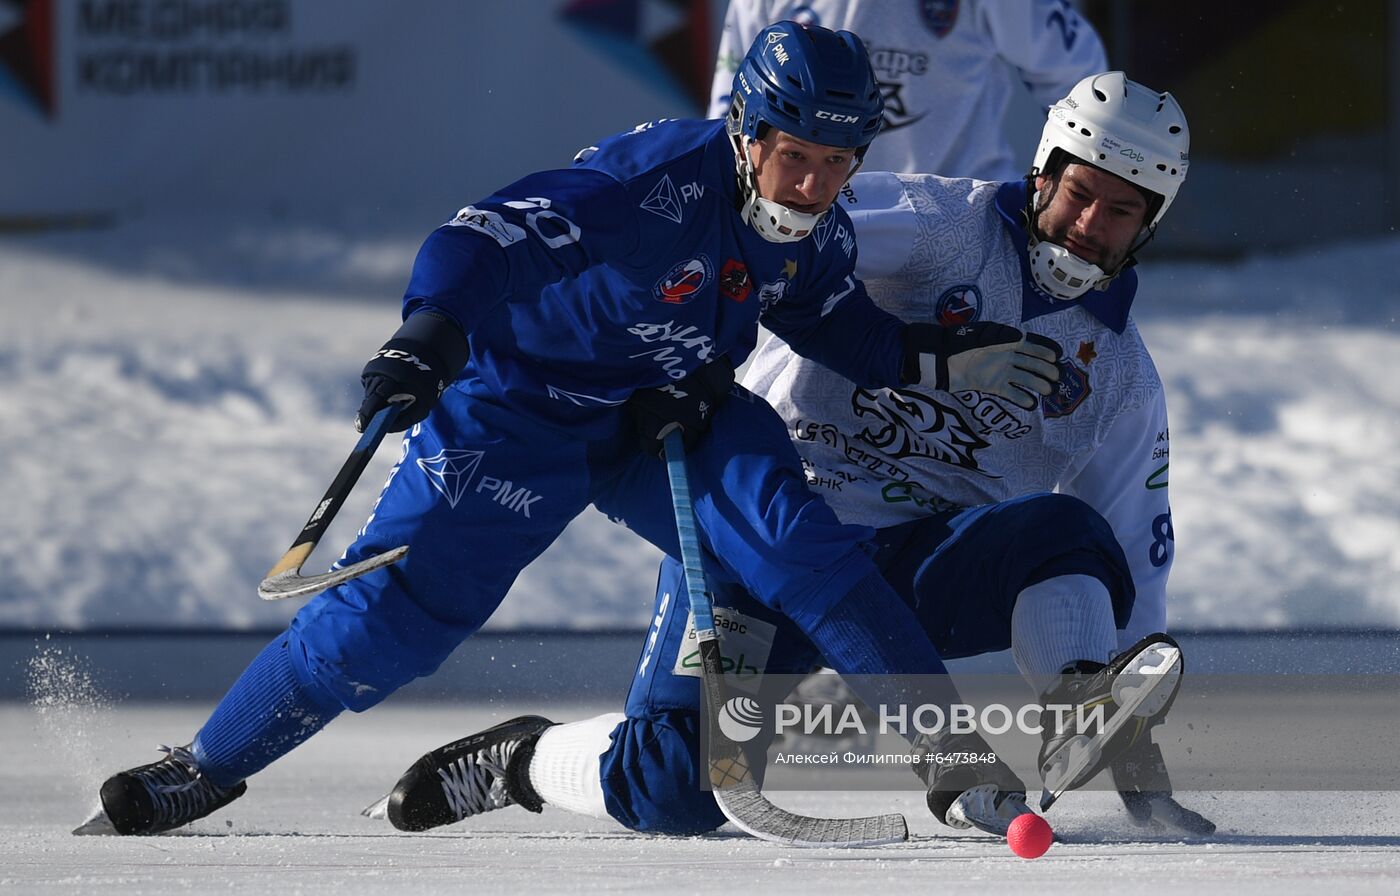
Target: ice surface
<point>299,831</point>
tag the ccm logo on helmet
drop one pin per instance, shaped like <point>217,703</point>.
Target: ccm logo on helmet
<point>837,117</point>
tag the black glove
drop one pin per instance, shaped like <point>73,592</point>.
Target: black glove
<point>984,356</point>
<point>1141,777</point>
<point>687,405</point>
<point>412,368</point>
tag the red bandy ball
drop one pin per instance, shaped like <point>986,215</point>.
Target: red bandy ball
<point>1029,836</point>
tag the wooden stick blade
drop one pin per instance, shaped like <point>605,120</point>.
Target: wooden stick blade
<point>290,583</point>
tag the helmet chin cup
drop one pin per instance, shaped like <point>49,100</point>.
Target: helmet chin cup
<point>1062,275</point>
<point>777,223</point>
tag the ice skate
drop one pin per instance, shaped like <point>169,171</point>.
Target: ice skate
<point>1141,778</point>
<point>467,777</point>
<point>159,797</point>
<point>971,787</point>
<point>1134,690</point>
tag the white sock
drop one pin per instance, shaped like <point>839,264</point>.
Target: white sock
<point>1058,622</point>
<point>566,768</point>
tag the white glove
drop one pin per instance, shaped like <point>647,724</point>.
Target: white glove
<point>986,357</point>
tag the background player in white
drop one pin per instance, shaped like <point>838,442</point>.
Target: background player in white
<point>956,480</point>
<point>949,69</point>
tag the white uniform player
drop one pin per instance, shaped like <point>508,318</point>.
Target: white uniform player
<point>934,250</point>
<point>949,69</point>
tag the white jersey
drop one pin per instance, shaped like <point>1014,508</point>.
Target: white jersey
<point>937,250</point>
<point>949,70</point>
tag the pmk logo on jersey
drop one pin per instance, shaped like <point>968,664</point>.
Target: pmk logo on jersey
<point>828,230</point>
<point>450,471</point>
<point>684,280</point>
<point>663,200</point>
<point>734,280</point>
<point>960,304</point>
<point>669,202</point>
<point>1069,394</point>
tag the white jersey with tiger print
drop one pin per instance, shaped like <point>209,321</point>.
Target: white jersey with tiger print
<point>937,250</point>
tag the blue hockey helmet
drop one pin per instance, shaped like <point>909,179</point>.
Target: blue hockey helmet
<point>811,82</point>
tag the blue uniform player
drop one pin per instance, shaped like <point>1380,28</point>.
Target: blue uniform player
<point>956,480</point>
<point>549,325</point>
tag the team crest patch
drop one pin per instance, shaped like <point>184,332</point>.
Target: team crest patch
<point>958,305</point>
<point>684,280</point>
<point>939,15</point>
<point>734,280</point>
<point>1073,388</point>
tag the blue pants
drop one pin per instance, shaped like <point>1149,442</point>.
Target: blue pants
<point>960,571</point>
<point>481,490</point>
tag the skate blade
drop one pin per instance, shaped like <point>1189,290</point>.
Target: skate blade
<point>1067,764</point>
<point>1148,681</point>
<point>379,809</point>
<point>97,825</point>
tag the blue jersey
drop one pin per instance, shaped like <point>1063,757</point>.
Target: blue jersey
<point>633,268</point>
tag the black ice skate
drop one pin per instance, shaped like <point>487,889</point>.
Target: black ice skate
<point>1141,779</point>
<point>970,787</point>
<point>1133,690</point>
<point>470,776</point>
<point>162,795</point>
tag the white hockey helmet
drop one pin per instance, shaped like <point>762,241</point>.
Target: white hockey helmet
<point>1127,130</point>
<point>1124,128</point>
